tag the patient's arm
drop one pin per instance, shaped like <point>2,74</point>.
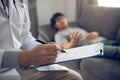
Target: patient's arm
<point>92,35</point>
<point>68,45</point>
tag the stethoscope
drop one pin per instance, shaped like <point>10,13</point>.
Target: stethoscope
<point>5,7</point>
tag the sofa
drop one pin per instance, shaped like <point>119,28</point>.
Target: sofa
<point>93,18</point>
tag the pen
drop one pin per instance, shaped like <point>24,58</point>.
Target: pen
<point>43,42</point>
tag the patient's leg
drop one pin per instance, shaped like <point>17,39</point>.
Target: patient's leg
<point>111,42</point>
<point>112,52</point>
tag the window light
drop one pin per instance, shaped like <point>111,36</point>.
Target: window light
<point>109,3</point>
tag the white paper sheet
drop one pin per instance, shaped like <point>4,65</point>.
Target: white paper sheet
<point>54,67</point>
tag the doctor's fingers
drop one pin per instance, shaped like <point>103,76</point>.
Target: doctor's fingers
<point>53,52</point>
<point>52,46</point>
<point>45,60</point>
<point>49,58</point>
<point>47,52</point>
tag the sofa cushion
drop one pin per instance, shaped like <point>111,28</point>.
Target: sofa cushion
<point>100,69</point>
<point>104,20</point>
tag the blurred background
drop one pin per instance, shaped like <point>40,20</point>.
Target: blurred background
<point>102,16</point>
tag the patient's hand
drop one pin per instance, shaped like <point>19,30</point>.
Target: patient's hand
<point>92,35</point>
<point>75,37</point>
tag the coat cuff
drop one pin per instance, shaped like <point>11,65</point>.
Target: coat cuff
<point>10,59</point>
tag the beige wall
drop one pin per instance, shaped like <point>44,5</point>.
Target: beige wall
<point>46,8</point>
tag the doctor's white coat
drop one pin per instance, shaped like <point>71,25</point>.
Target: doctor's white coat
<point>14,35</point>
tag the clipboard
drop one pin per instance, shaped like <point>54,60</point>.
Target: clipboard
<point>77,54</point>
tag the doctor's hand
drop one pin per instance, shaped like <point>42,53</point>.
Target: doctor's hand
<point>40,55</point>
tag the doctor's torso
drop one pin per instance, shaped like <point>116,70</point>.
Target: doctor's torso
<point>11,27</point>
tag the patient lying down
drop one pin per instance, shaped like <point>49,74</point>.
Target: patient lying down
<point>70,37</point>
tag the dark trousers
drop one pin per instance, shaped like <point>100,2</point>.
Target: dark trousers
<point>111,49</point>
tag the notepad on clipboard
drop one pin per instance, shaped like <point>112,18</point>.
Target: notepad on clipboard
<point>81,52</point>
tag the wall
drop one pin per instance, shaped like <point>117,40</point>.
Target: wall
<point>46,8</point>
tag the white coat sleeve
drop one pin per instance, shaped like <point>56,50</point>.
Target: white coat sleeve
<point>28,41</point>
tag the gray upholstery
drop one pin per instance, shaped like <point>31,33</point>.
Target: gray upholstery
<point>101,19</point>
<point>100,69</point>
